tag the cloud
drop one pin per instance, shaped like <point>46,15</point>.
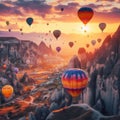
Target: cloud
<point>25,7</point>
<point>37,7</point>
<point>41,8</point>
<point>115,10</point>
<point>7,10</point>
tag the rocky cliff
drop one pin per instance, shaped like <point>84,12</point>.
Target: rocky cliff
<point>105,76</point>
<point>44,49</point>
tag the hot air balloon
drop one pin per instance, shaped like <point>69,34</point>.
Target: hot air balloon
<point>93,42</point>
<point>74,81</point>
<point>20,29</point>
<point>7,23</point>
<point>4,66</point>
<point>57,33</point>
<point>85,14</point>
<point>29,21</point>
<point>58,49</point>
<point>87,45</point>
<point>7,91</point>
<point>62,9</point>
<point>102,26</point>
<point>47,23</point>
<point>9,30</point>
<point>71,44</point>
<point>16,70</point>
<point>99,40</point>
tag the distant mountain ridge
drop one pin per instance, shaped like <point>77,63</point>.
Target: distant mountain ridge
<point>42,47</point>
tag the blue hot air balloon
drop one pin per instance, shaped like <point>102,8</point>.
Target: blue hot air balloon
<point>29,21</point>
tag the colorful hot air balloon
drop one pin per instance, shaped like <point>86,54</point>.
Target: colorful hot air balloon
<point>74,81</point>
<point>29,21</point>
<point>71,44</point>
<point>7,91</point>
<point>102,26</point>
<point>93,42</point>
<point>57,33</point>
<point>58,49</point>
<point>85,14</point>
<point>99,40</point>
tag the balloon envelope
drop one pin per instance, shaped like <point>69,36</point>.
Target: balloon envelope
<point>58,49</point>
<point>85,14</point>
<point>29,21</point>
<point>62,9</point>
<point>71,44</point>
<point>99,40</point>
<point>7,23</point>
<point>20,29</point>
<point>7,91</point>
<point>102,26</point>
<point>57,33</point>
<point>87,45</point>
<point>74,81</point>
<point>93,42</point>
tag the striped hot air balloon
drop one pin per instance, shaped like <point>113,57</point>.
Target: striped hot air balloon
<point>74,81</point>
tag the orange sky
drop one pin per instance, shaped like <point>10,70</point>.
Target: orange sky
<point>49,11</point>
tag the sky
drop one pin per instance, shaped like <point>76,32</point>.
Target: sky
<point>47,17</point>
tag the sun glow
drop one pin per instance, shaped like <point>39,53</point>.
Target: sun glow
<point>85,29</point>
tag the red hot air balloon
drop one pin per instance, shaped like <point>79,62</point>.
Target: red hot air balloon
<point>74,81</point>
<point>71,44</point>
<point>58,49</point>
<point>102,26</point>
<point>85,14</point>
<point>57,33</point>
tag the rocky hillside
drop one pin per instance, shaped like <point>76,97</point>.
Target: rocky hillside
<point>44,49</point>
<point>79,112</point>
<point>21,51</point>
<point>105,76</point>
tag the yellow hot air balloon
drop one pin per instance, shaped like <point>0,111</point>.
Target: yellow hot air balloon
<point>7,91</point>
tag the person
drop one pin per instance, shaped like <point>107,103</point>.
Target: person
<point>79,60</point>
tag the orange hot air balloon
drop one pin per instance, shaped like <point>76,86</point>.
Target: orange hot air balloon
<point>7,91</point>
<point>4,66</point>
<point>85,14</point>
<point>74,81</point>
<point>99,40</point>
<point>87,45</point>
